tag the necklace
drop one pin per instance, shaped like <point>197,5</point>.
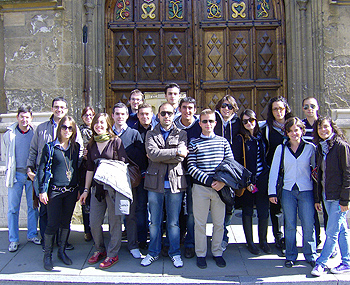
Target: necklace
<point>68,172</point>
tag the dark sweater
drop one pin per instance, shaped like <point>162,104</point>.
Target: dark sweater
<point>275,138</point>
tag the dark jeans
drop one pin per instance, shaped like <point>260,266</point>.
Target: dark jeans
<point>131,223</point>
<point>42,219</point>
<point>142,212</point>
<point>59,211</point>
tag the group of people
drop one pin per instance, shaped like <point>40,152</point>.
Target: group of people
<point>178,154</point>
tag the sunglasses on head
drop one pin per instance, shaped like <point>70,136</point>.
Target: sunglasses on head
<point>163,113</point>
<point>64,127</point>
<point>206,121</point>
<point>311,106</point>
<point>245,121</point>
<point>229,106</point>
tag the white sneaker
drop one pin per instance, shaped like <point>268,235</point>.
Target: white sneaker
<point>148,260</point>
<point>35,240</point>
<point>135,253</point>
<point>318,270</point>
<point>13,246</point>
<point>177,261</point>
<point>224,245</point>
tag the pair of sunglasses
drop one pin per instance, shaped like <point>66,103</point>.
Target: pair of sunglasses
<point>206,121</point>
<point>245,121</point>
<point>64,127</point>
<point>311,106</point>
<point>163,113</point>
<point>229,106</point>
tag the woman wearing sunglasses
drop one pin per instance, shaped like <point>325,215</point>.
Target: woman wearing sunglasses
<point>252,154</point>
<point>62,192</point>
<point>227,126</point>
<point>278,111</point>
<point>297,192</point>
<point>87,115</point>
<point>103,144</point>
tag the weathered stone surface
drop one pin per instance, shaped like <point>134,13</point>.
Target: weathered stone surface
<point>14,19</point>
<point>22,51</point>
<point>32,97</point>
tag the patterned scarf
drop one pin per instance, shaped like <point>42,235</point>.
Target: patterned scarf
<point>102,138</point>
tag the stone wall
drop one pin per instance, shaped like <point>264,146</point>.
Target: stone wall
<point>43,56</point>
<point>336,47</point>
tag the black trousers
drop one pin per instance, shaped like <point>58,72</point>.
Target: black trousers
<point>59,211</point>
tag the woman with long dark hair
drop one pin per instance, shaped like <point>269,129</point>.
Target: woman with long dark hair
<point>62,193</point>
<point>87,115</point>
<point>227,126</point>
<point>297,193</point>
<point>103,144</point>
<point>252,154</point>
<point>333,187</point>
<point>278,111</point>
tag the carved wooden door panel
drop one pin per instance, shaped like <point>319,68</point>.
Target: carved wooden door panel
<point>148,44</point>
<point>241,52</point>
<point>232,47</point>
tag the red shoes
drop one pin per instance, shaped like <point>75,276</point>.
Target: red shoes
<point>97,257</point>
<point>108,262</point>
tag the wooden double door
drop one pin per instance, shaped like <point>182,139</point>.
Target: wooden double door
<point>209,47</point>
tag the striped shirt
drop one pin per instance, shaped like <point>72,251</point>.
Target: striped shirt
<point>308,131</point>
<point>205,154</point>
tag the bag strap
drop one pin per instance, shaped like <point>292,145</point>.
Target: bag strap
<point>281,161</point>
<point>243,147</point>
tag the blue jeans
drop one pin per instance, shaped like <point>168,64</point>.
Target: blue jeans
<point>173,206</point>
<point>336,232</point>
<point>14,201</point>
<point>189,240</point>
<point>301,202</point>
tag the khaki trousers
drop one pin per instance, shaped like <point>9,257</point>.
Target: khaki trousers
<point>205,198</point>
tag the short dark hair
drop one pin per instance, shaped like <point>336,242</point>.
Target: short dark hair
<point>270,117</point>
<point>120,105</point>
<point>294,121</point>
<point>336,130</point>
<point>171,85</point>
<point>230,99</point>
<point>25,109</point>
<point>165,103</point>
<point>137,92</point>
<point>73,137</point>
<point>251,114</point>
<point>145,105</point>
<point>307,98</point>
<point>206,112</point>
<point>188,100</point>
<point>59,99</point>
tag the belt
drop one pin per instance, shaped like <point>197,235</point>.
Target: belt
<point>62,189</point>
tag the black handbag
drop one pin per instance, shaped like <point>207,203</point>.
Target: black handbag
<point>280,177</point>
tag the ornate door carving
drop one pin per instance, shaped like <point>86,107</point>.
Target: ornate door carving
<point>232,47</point>
<point>241,52</point>
<point>148,44</point>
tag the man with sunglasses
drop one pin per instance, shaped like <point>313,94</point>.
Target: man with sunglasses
<point>44,133</point>
<point>165,181</point>
<point>310,108</point>
<point>205,154</point>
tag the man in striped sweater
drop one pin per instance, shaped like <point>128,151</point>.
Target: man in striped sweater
<point>205,154</point>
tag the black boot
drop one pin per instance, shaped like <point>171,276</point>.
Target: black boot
<point>262,229</point>
<point>48,251</point>
<point>62,240</point>
<point>248,232</point>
